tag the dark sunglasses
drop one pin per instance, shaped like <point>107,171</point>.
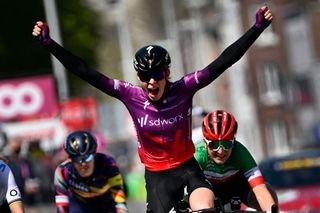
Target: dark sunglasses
<point>214,145</point>
<point>83,159</point>
<point>146,76</point>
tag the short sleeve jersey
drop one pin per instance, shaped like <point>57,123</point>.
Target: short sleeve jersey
<point>240,161</point>
<point>8,188</point>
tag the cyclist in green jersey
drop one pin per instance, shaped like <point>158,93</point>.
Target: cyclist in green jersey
<point>229,166</point>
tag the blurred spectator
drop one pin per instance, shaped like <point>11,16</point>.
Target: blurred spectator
<point>3,140</point>
<point>22,170</point>
<point>43,171</point>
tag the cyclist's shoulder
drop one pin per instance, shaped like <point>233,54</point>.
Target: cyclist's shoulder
<point>183,85</point>
<point>4,170</point>
<point>242,157</point>
<point>240,147</point>
<point>106,161</point>
<point>199,144</point>
<point>104,157</point>
<point>201,154</point>
<point>200,148</point>
<point>122,86</point>
<point>64,166</point>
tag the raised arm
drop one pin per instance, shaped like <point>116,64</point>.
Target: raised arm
<point>236,50</point>
<point>73,63</point>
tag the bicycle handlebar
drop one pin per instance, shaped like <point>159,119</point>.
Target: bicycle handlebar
<point>213,210</point>
<point>274,209</point>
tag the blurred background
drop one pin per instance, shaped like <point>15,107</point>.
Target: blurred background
<point>273,90</point>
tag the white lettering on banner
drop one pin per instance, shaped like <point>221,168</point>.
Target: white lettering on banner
<point>24,99</point>
<point>157,122</point>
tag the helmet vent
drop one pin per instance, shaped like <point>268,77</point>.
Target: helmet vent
<point>228,124</point>
<point>210,124</point>
<point>80,143</point>
<point>75,144</point>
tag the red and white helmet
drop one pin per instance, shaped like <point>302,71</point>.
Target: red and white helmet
<point>219,125</point>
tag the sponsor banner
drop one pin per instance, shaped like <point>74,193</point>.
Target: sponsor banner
<point>51,132</point>
<point>30,97</point>
<point>79,113</point>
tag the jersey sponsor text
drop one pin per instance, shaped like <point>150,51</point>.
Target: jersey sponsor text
<point>143,121</point>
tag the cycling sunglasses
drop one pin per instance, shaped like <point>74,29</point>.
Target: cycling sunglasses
<point>215,144</point>
<point>146,76</point>
<point>83,159</point>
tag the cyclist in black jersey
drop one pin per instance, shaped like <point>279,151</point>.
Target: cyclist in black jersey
<point>161,111</point>
<point>88,181</point>
<point>229,166</point>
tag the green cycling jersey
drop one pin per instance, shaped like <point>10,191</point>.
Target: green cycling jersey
<point>240,161</point>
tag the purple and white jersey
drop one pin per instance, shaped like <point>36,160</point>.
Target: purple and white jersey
<point>163,128</point>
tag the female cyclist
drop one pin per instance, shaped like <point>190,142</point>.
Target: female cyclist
<point>229,166</point>
<point>88,181</point>
<point>161,111</point>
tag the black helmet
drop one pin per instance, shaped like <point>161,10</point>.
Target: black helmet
<point>80,144</point>
<point>151,58</point>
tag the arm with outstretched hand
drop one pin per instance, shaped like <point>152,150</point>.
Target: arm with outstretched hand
<point>72,62</point>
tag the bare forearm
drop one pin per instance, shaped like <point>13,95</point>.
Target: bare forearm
<point>264,198</point>
<point>17,207</point>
